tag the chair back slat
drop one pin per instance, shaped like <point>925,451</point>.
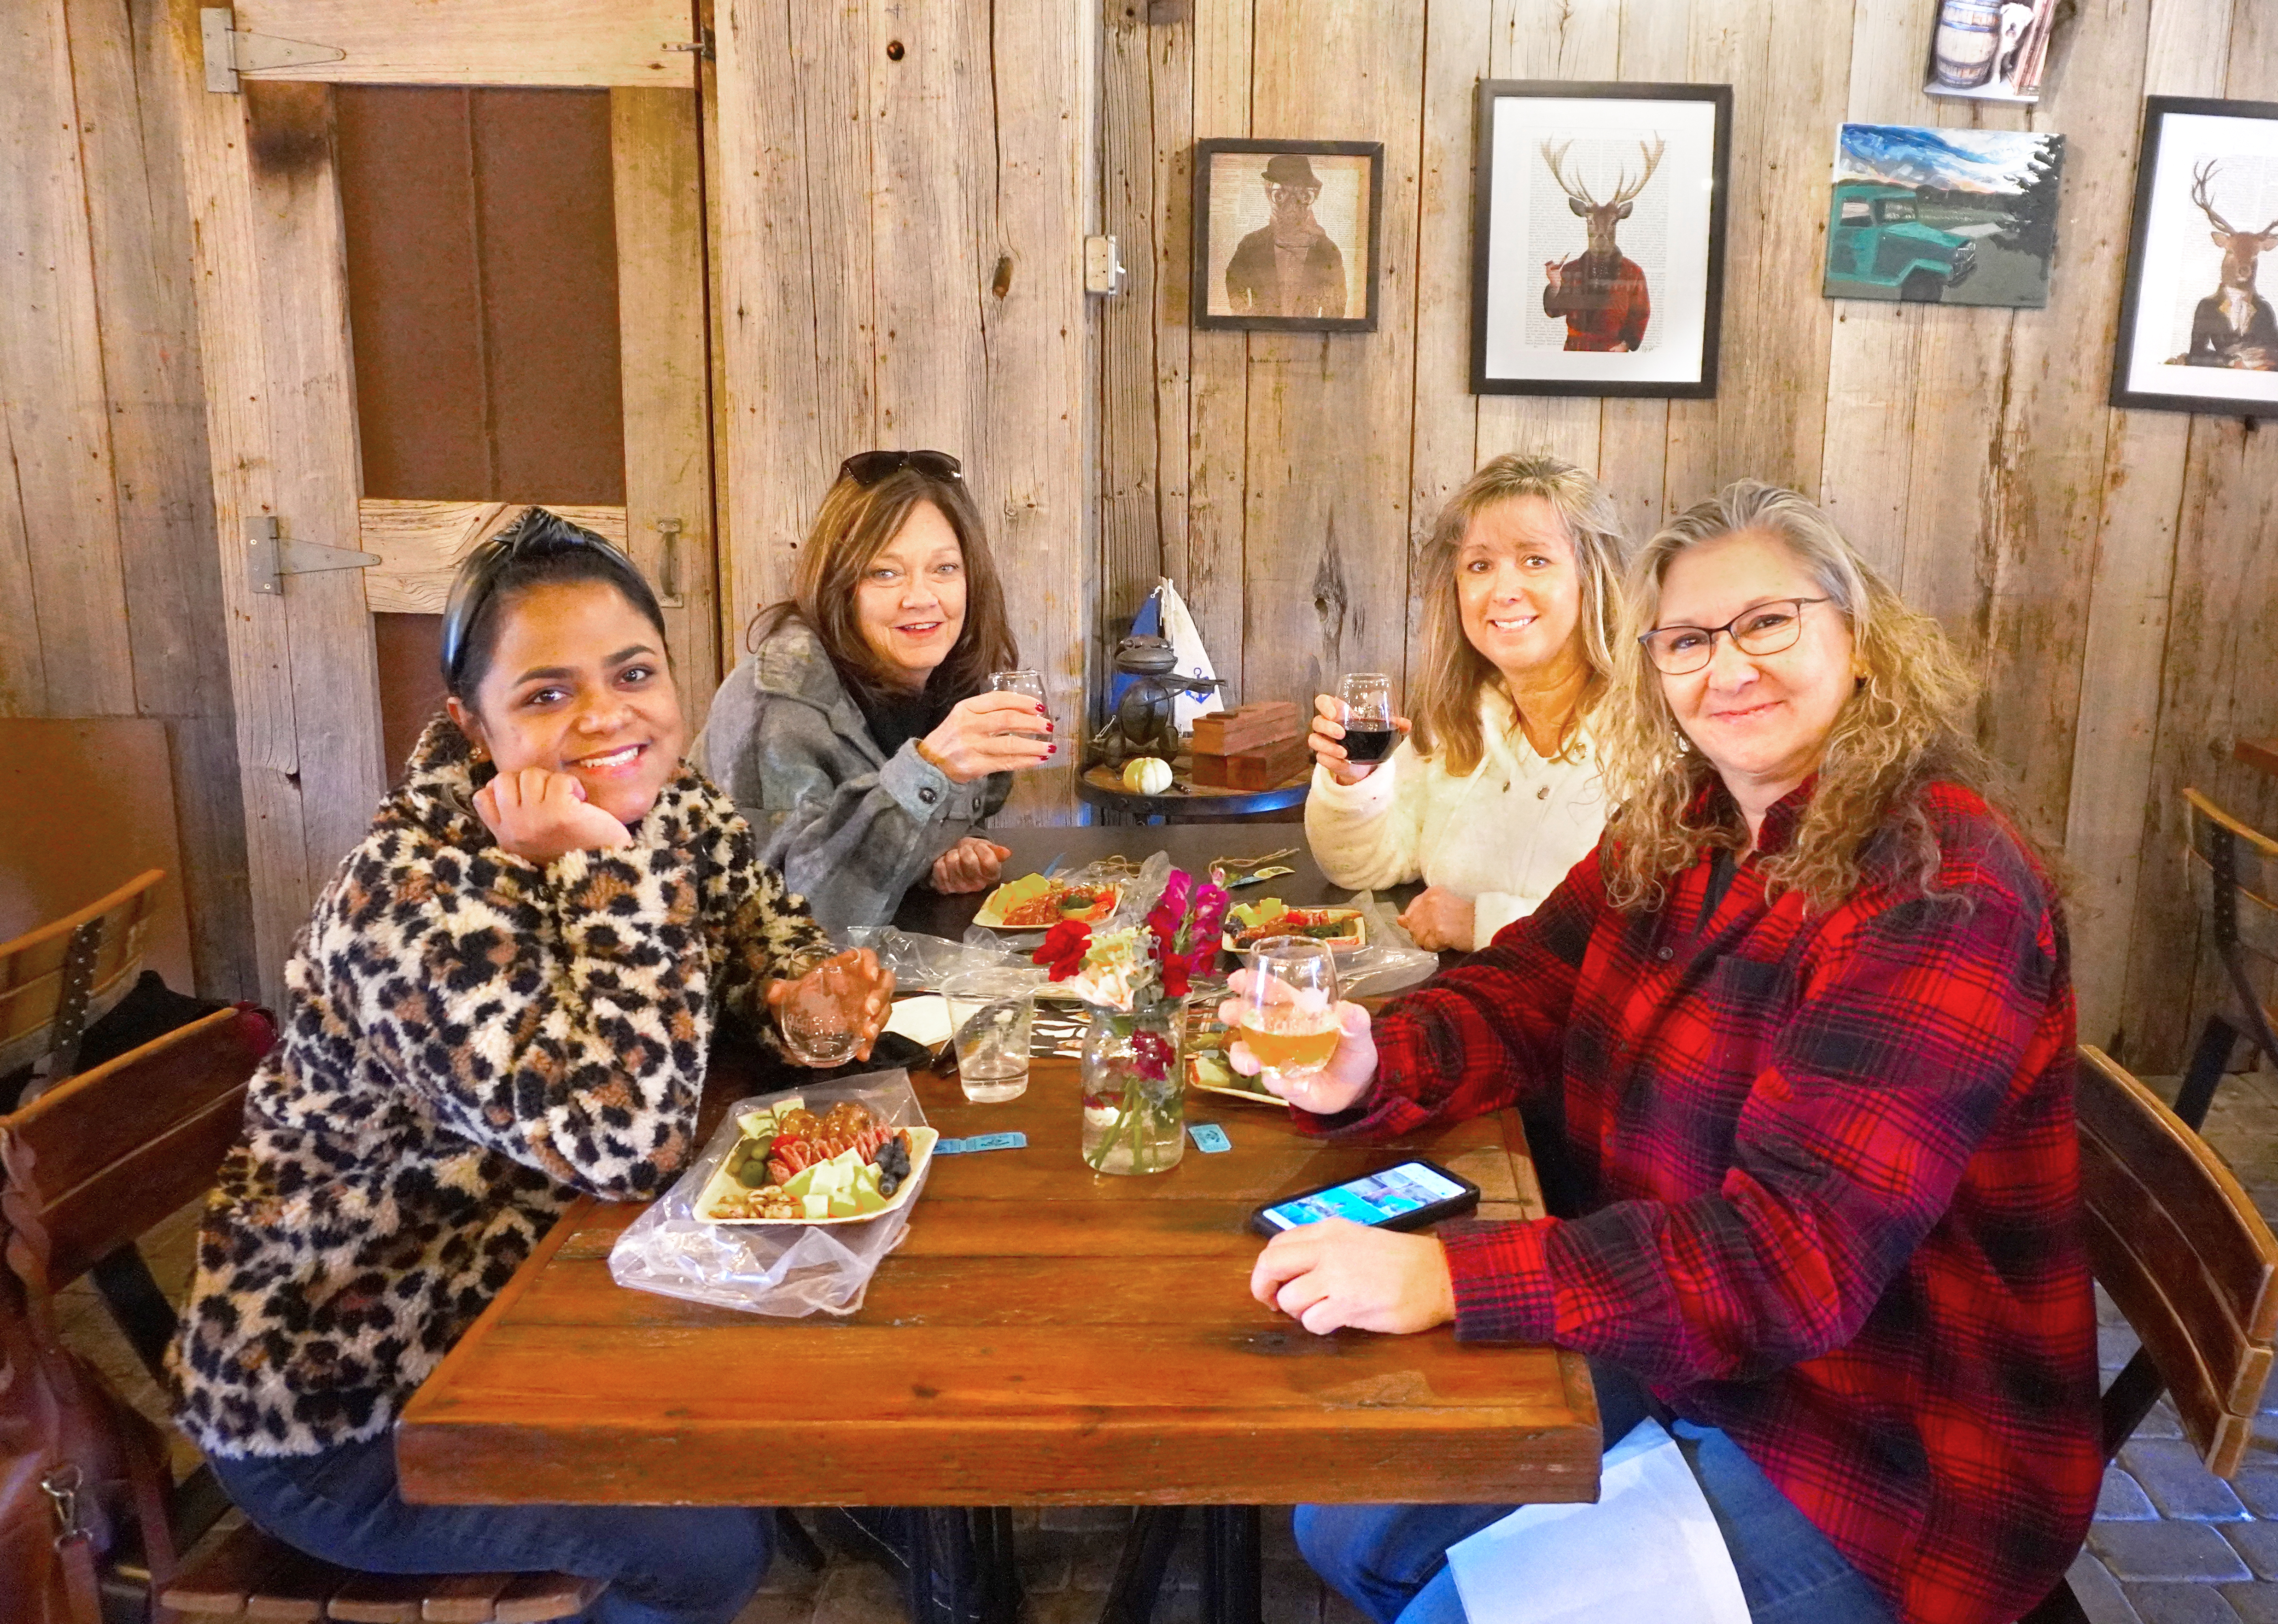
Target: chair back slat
<point>2254,858</point>
<point>32,967</point>
<point>2179,1247</point>
<point>99,1158</point>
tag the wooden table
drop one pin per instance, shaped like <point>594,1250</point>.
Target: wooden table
<point>1044,1336</point>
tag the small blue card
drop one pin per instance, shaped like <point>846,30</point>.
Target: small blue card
<point>1209,1139</point>
<point>982,1142</point>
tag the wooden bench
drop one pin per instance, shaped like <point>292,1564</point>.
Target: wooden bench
<point>92,1164</point>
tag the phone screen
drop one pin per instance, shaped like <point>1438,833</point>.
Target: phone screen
<point>1392,1194</point>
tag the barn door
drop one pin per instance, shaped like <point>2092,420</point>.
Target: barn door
<point>338,542</point>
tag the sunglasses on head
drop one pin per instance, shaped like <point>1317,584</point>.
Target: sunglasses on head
<point>869,467</point>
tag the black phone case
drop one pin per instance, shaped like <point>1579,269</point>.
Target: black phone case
<point>1423,1217</point>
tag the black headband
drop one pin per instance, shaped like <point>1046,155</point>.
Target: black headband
<point>536,534</point>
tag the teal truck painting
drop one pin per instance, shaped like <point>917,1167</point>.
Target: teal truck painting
<point>1944,216</point>
<point>1876,243</point>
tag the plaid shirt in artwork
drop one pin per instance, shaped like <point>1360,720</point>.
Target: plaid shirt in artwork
<point>1832,1198</point>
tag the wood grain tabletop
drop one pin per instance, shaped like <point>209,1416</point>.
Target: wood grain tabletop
<point>1044,1335</point>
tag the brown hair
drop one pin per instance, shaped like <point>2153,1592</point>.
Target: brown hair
<point>851,527</point>
<point>1444,699</point>
<point>1908,721</point>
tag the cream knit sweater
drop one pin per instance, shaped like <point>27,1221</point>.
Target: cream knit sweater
<point>1503,835</point>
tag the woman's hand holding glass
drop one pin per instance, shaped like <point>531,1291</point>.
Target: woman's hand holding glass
<point>540,814</point>
<point>1336,1086</point>
<point>830,1009</point>
<point>972,864</point>
<point>1327,736</point>
<point>991,732</point>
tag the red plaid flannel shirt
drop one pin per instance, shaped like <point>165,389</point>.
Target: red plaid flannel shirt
<point>1832,1186</point>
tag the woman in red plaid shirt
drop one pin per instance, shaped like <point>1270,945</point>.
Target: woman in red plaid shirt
<point>1802,1028</point>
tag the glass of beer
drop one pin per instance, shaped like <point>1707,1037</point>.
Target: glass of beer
<point>1030,683</point>
<point>1367,700</point>
<point>1289,1006</point>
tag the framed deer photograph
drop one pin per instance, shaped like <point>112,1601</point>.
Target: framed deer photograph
<point>1598,238</point>
<point>2196,334</point>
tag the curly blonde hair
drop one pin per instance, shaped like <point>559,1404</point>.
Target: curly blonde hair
<point>1444,699</point>
<point>1910,720</point>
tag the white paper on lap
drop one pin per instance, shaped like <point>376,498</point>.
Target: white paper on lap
<point>1648,1548</point>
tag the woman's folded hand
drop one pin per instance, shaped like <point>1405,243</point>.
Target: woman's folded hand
<point>540,814</point>
<point>972,864</point>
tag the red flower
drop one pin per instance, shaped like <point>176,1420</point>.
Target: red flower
<point>1063,948</point>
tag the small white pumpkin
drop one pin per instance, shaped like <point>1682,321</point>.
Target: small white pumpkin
<point>1147,774</point>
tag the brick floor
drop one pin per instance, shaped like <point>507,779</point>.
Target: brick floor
<point>2171,1544</point>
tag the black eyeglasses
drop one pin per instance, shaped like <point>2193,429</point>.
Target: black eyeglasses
<point>869,467</point>
<point>1768,628</point>
<point>536,532</point>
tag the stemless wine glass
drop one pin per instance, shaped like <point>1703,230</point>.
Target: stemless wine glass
<point>1289,1006</point>
<point>1030,683</point>
<point>820,1022</point>
<point>1367,700</point>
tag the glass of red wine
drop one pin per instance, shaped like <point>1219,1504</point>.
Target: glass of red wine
<point>1367,700</point>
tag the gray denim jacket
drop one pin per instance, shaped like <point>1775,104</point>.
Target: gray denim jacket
<point>850,829</point>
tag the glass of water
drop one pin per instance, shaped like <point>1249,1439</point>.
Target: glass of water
<point>989,1013</point>
<point>1030,683</point>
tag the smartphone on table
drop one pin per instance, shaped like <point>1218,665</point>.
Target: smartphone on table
<point>1409,1195</point>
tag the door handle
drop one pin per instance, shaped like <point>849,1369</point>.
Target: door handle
<point>667,564</point>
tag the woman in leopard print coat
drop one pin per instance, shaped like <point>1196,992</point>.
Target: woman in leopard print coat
<point>502,1000</point>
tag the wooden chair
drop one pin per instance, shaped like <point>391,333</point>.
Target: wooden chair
<point>93,1163</point>
<point>55,979</point>
<point>2177,1245</point>
<point>2234,869</point>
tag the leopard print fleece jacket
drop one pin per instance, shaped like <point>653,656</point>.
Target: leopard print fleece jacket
<point>471,1041</point>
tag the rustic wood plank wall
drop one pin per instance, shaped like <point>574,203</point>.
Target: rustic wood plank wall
<point>904,190</point>
<point>111,599</point>
<point>2115,574</point>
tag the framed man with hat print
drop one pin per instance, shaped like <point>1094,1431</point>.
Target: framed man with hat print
<point>1286,233</point>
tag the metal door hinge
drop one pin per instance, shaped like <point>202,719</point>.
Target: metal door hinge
<point>1103,266</point>
<point>703,47</point>
<point>270,557</point>
<point>229,52</point>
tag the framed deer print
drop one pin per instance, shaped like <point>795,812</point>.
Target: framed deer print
<point>1598,238</point>
<point>2196,332</point>
<point>1286,233</point>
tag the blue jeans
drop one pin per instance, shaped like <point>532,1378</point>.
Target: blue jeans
<point>665,1564</point>
<point>1392,1560</point>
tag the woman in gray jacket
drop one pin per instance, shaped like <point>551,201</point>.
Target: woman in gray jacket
<point>860,739</point>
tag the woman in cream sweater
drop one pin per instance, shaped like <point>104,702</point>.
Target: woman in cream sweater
<point>1493,795</point>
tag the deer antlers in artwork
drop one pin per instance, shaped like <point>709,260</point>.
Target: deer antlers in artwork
<point>1626,190</point>
<point>2202,178</point>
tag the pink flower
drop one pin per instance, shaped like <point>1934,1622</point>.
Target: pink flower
<point>1151,1053</point>
<point>1207,921</point>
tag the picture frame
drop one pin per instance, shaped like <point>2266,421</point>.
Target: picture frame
<point>1645,327</point>
<point>1288,234</point>
<point>1944,216</point>
<point>1991,50</point>
<point>2195,334</point>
